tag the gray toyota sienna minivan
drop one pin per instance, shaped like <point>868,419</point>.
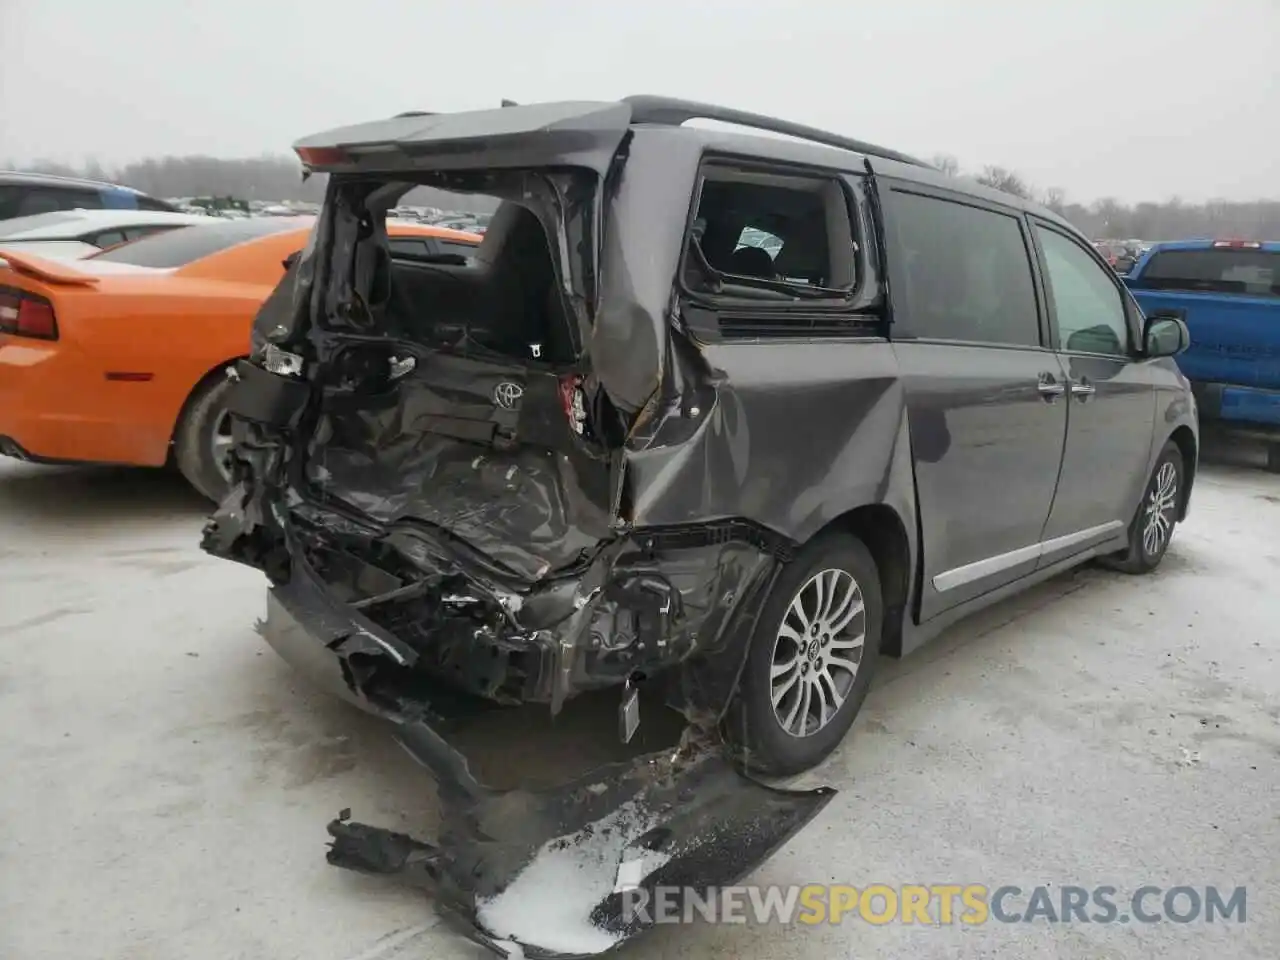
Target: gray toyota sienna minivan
<point>719,415</point>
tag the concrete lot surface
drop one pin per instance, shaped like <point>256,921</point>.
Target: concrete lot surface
<point>166,780</point>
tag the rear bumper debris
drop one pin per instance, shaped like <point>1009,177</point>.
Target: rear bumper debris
<point>539,873</point>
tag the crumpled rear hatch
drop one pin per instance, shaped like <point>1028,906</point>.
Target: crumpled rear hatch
<point>476,449</point>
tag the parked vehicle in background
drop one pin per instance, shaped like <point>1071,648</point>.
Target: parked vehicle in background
<point>72,234</point>
<point>623,447</point>
<point>120,357</point>
<point>1120,255</point>
<point>1228,291</point>
<point>26,194</point>
<point>229,207</point>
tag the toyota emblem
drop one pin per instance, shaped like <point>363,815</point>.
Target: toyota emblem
<point>507,394</point>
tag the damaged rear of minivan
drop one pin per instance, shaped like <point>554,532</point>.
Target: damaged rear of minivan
<point>435,467</point>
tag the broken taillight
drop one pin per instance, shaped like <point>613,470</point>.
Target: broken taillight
<point>25,314</point>
<point>574,403</point>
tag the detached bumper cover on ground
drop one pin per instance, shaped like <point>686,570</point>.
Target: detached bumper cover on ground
<point>542,869</point>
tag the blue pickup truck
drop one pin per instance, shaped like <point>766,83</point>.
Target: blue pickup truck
<point>1228,292</point>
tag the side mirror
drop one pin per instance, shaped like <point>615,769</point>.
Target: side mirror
<point>1165,336</point>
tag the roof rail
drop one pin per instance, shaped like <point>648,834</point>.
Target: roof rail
<point>670,111</point>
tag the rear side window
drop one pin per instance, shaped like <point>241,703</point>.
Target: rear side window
<point>136,233</point>
<point>1255,272</point>
<point>455,246</point>
<point>177,248</point>
<point>26,201</point>
<point>770,237</point>
<point>108,238</point>
<point>408,247</point>
<point>9,197</point>
<point>967,272</point>
<point>433,249</point>
<point>150,203</point>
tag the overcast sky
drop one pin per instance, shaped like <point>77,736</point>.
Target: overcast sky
<point>1136,99</point>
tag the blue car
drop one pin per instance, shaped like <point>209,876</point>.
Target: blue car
<point>1228,292</point>
<point>27,194</point>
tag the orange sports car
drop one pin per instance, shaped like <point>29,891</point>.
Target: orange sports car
<point>119,358</point>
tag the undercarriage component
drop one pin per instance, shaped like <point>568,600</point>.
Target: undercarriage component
<point>561,872</point>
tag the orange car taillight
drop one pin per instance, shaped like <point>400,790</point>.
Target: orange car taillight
<point>27,315</point>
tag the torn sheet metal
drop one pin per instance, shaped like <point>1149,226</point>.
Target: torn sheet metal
<point>561,872</point>
<point>439,449</point>
<point>687,817</point>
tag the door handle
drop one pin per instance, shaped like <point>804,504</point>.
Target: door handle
<point>1050,389</point>
<point>1083,389</point>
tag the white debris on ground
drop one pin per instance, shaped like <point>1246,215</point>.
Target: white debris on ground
<point>549,902</point>
<point>636,865</point>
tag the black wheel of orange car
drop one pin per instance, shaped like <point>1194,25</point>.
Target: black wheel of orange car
<point>1152,526</point>
<point>202,440</point>
<point>812,654</point>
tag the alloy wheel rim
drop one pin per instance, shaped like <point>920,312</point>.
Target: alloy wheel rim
<point>1161,504</point>
<point>220,445</point>
<point>817,652</point>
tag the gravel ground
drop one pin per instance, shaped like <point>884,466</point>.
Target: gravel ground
<point>167,779</point>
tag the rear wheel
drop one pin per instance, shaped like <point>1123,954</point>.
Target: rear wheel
<point>202,441</point>
<point>812,654</point>
<point>1152,526</point>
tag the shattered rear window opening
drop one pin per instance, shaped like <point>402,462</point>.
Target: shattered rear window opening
<point>523,292</point>
<point>451,391</point>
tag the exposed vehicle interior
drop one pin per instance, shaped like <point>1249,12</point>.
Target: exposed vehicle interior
<point>765,236</point>
<point>504,298</point>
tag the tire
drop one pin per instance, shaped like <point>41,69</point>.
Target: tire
<point>203,419</point>
<point>780,742</point>
<point>1273,457</point>
<point>1152,526</point>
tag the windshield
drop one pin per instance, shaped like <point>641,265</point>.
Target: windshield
<point>178,248</point>
<point>1253,272</point>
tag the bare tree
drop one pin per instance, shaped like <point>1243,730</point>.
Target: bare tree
<point>1055,198</point>
<point>1110,214</point>
<point>998,178</point>
<point>947,164</point>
